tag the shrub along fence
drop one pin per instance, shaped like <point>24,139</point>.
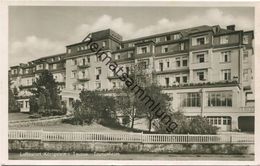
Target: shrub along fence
<point>128,137</point>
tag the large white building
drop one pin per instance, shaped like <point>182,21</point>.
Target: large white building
<point>207,70</point>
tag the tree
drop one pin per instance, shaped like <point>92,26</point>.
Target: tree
<point>42,102</point>
<point>94,106</point>
<point>33,102</point>
<point>45,90</point>
<point>13,105</point>
<point>155,93</point>
<point>127,102</point>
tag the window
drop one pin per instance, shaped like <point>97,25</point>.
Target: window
<point>130,44</point>
<point>164,49</point>
<point>74,87</point>
<point>114,84</point>
<point>178,79</point>
<point>245,56</point>
<point>190,99</point>
<point>223,39</point>
<point>157,40</point>
<point>182,46</point>
<point>226,56</point>
<point>98,71</point>
<point>221,120</point>
<point>99,58</point>
<point>200,58</point>
<point>246,74</point>
<point>178,62</point>
<point>226,74</point>
<point>220,99</point>
<point>167,81</point>
<point>176,36</point>
<point>184,62</point>
<point>86,47</point>
<point>75,61</point>
<point>184,79</point>
<point>245,39</point>
<point>98,85</point>
<point>54,66</point>
<point>200,76</point>
<point>69,50</point>
<point>167,38</point>
<point>127,70</point>
<point>130,54</point>
<point>88,59</point>
<point>73,74</point>
<point>78,48</point>
<point>26,104</point>
<point>143,64</point>
<point>104,43</point>
<point>83,61</point>
<point>144,50</point>
<point>168,64</point>
<point>201,41</point>
<point>117,56</point>
<point>161,66</point>
<point>83,74</point>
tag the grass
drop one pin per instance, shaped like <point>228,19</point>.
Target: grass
<point>64,127</point>
<point>18,116</point>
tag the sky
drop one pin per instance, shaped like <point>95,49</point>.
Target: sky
<point>36,32</point>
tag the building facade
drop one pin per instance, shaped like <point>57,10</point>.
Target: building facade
<point>207,70</point>
<point>23,76</point>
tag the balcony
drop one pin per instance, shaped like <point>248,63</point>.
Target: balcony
<point>83,65</point>
<point>247,109</point>
<point>176,70</point>
<point>25,86</point>
<point>83,78</point>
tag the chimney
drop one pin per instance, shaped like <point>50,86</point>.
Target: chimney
<point>231,27</point>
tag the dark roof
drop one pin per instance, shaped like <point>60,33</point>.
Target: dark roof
<point>51,56</point>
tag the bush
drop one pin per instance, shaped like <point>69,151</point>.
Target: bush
<point>34,116</point>
<point>125,120</point>
<point>197,125</point>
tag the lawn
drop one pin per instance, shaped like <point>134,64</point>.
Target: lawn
<point>18,116</point>
<point>64,127</point>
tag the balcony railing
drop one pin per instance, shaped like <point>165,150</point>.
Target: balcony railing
<point>247,109</point>
<point>83,65</point>
<point>83,78</point>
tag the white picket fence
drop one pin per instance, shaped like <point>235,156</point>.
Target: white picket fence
<point>126,137</point>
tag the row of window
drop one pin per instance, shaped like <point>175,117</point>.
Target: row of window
<point>221,120</point>
<point>86,47</point>
<point>200,40</point>
<point>215,99</point>
<point>178,80</point>
<point>85,86</point>
<point>118,56</point>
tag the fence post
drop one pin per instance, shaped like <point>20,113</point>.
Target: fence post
<point>142,137</point>
<point>41,135</point>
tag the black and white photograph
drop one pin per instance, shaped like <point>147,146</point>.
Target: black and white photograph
<point>150,83</point>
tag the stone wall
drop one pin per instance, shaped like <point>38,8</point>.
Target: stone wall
<point>117,147</point>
